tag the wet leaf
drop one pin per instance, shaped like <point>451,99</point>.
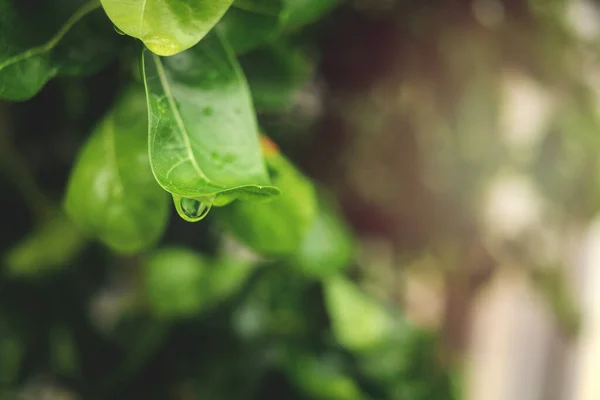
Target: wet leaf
<point>166,27</point>
<point>203,131</point>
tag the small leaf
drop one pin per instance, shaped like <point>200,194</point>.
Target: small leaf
<point>112,193</point>
<point>35,48</point>
<point>322,378</point>
<point>203,131</point>
<point>45,250</point>
<point>180,282</point>
<point>358,321</point>
<point>328,246</point>
<point>166,27</point>
<point>276,74</point>
<point>275,227</point>
<point>176,282</point>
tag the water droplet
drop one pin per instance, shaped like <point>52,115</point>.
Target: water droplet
<point>208,111</point>
<point>193,210</point>
<point>119,31</point>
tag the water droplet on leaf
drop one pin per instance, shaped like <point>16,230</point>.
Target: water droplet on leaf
<point>208,111</point>
<point>193,210</point>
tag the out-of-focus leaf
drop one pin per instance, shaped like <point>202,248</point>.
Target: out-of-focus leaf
<point>180,282</point>
<point>112,193</point>
<point>276,227</point>
<point>322,378</point>
<point>278,305</point>
<point>204,145</point>
<point>298,13</point>
<point>166,27</point>
<point>55,38</point>
<point>251,23</point>
<point>327,247</point>
<point>63,353</point>
<point>50,247</point>
<point>359,322</point>
<point>276,73</point>
<point>12,352</point>
<point>176,282</point>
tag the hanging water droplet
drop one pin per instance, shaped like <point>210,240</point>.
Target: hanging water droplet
<point>119,31</point>
<point>193,210</point>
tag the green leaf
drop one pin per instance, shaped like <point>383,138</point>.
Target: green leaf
<point>359,322</point>
<point>112,193</point>
<point>276,227</point>
<point>298,13</point>
<point>12,351</point>
<point>203,131</point>
<point>322,378</point>
<point>166,27</point>
<point>55,243</point>
<point>53,40</point>
<point>176,282</point>
<point>328,247</point>
<point>276,74</point>
<point>251,23</point>
<point>180,282</point>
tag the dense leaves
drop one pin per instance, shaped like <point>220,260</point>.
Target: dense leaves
<point>203,131</point>
<point>166,27</point>
<point>53,40</point>
<point>276,227</point>
<point>251,304</point>
<point>112,193</point>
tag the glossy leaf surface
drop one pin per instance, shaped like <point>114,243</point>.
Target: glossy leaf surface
<point>166,27</point>
<point>359,322</point>
<point>112,193</point>
<point>275,227</point>
<point>203,133</point>
<point>60,38</point>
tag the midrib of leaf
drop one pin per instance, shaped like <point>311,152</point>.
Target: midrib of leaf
<point>178,120</point>
<point>34,51</point>
<point>142,17</point>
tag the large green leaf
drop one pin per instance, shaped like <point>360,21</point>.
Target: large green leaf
<point>276,227</point>
<point>52,40</point>
<point>166,27</point>
<point>250,23</point>
<point>204,145</point>
<point>112,193</point>
<point>276,73</point>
